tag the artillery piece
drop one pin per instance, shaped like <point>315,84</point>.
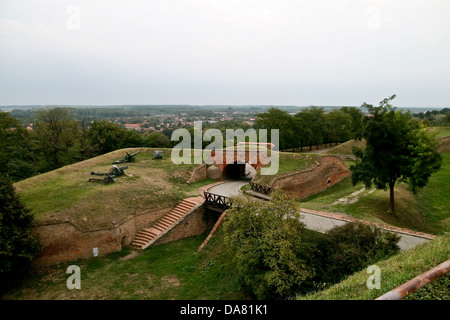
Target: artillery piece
<point>158,154</point>
<point>110,176</point>
<point>128,158</point>
<point>105,180</point>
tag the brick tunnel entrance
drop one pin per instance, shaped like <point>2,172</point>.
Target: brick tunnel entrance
<point>238,171</point>
<point>234,171</point>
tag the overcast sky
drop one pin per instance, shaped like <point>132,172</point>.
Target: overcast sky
<point>227,52</point>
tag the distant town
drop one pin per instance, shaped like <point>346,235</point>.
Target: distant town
<point>160,118</point>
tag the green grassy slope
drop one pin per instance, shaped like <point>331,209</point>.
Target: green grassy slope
<point>66,194</point>
<point>427,211</point>
<point>346,147</point>
<point>395,271</point>
<point>288,162</point>
<point>169,271</point>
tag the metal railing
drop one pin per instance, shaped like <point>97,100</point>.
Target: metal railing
<point>418,282</point>
<point>216,201</point>
<point>260,188</point>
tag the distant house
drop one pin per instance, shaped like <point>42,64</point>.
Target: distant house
<point>133,126</point>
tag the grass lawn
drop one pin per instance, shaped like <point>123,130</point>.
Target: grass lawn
<point>288,162</point>
<point>169,271</point>
<point>346,147</point>
<point>395,271</point>
<point>427,211</point>
<point>148,185</point>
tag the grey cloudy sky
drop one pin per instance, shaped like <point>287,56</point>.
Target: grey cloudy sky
<point>237,52</point>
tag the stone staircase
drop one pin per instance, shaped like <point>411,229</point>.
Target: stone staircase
<point>148,236</point>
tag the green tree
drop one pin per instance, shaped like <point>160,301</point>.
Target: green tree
<point>157,140</point>
<point>397,150</point>
<point>18,246</point>
<point>58,136</point>
<point>279,119</point>
<point>339,126</point>
<point>17,158</point>
<point>265,240</point>
<point>357,123</point>
<point>304,130</point>
<point>106,136</point>
<point>132,139</point>
<point>313,125</point>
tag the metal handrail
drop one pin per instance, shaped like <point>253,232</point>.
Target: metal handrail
<point>418,282</point>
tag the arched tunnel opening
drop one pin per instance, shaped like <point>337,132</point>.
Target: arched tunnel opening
<point>238,171</point>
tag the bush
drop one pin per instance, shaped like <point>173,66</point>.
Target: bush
<point>264,239</point>
<point>350,248</point>
<point>18,247</point>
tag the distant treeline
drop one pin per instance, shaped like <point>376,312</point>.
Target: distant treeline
<point>314,126</point>
<point>61,136</point>
<point>114,112</point>
<point>58,139</point>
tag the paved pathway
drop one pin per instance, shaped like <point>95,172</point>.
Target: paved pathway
<point>324,221</point>
<point>228,188</point>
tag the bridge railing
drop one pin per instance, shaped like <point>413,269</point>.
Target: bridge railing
<point>216,201</point>
<point>260,188</point>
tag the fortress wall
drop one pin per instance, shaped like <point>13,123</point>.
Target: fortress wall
<point>199,173</point>
<point>329,171</point>
<point>193,224</point>
<point>62,242</point>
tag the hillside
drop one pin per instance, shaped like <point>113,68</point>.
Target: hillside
<point>346,147</point>
<point>288,162</point>
<point>66,194</point>
<point>426,211</point>
<point>394,272</point>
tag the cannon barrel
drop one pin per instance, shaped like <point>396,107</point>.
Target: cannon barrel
<point>98,173</point>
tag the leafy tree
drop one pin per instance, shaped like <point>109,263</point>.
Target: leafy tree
<point>18,247</point>
<point>157,140</point>
<point>279,119</point>
<point>397,149</point>
<point>106,136</point>
<point>339,126</point>
<point>58,136</point>
<point>16,152</point>
<point>266,240</point>
<point>132,139</point>
<point>357,123</point>
<point>313,118</point>
<point>304,131</point>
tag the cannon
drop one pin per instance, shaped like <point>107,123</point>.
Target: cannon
<point>114,172</point>
<point>128,158</point>
<point>158,154</point>
<point>107,179</point>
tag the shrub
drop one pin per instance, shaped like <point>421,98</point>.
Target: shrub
<point>264,239</point>
<point>350,248</point>
<point>18,246</point>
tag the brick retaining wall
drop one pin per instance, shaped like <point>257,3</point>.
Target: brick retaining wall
<point>301,184</point>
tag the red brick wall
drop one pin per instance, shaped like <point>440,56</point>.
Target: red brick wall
<point>313,180</point>
<point>192,225</point>
<point>64,242</point>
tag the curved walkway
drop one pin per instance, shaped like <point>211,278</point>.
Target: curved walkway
<point>323,221</point>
